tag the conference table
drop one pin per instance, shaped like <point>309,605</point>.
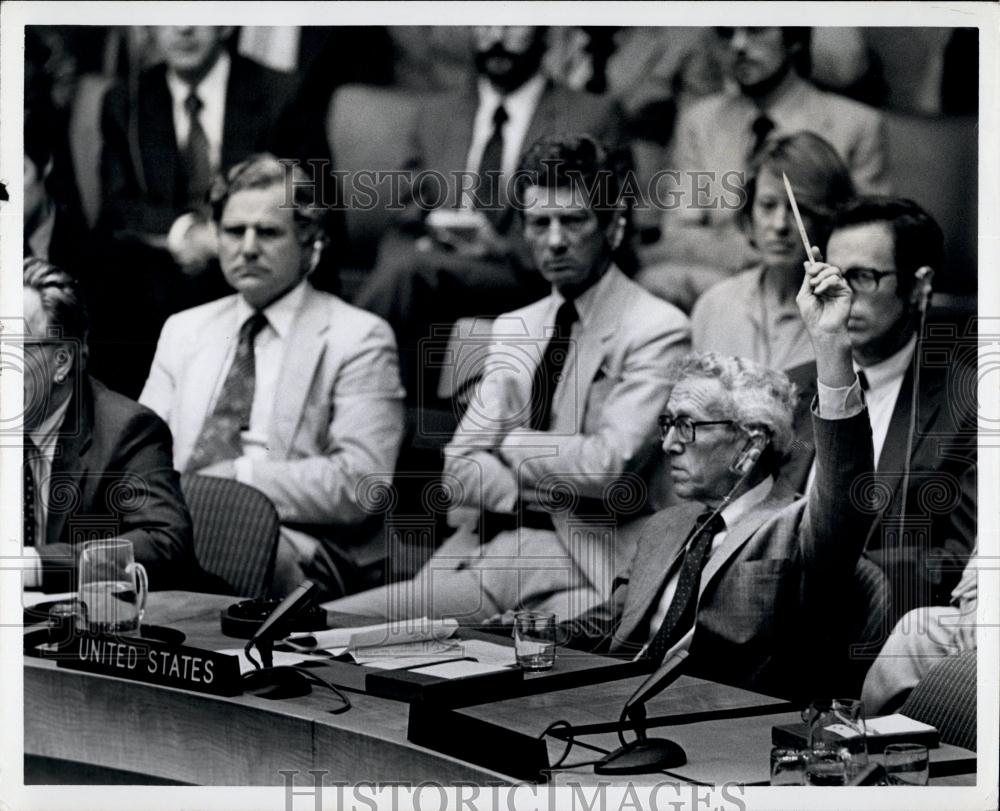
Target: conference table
<point>151,733</point>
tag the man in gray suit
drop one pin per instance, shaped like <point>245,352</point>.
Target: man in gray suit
<point>557,443</point>
<point>281,386</point>
<point>756,585</point>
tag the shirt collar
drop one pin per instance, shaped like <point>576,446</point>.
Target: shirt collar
<point>212,86</point>
<point>45,435</point>
<point>281,314</point>
<point>736,510</point>
<point>528,93</point>
<point>586,302</point>
<point>789,96</point>
<point>890,369</point>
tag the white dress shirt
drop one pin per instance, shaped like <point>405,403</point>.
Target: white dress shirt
<point>884,382</point>
<point>212,92</point>
<point>46,438</point>
<point>270,348</point>
<point>520,106</point>
<point>834,404</point>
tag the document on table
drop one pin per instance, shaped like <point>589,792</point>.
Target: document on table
<point>337,640</point>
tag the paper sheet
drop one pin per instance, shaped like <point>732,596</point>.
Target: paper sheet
<point>386,633</point>
<point>895,725</point>
<point>29,599</point>
<point>456,670</point>
<point>489,652</point>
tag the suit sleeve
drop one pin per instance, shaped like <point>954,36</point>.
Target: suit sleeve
<point>621,442</point>
<point>125,210</point>
<point>141,490</point>
<point>839,514</point>
<point>362,442</point>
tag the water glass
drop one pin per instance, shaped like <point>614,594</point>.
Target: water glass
<point>535,640</point>
<point>788,767</point>
<point>907,764</point>
<point>826,767</point>
<point>839,724</point>
<point>113,587</point>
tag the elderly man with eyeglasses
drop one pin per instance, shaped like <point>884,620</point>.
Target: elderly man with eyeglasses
<point>759,587</point>
<point>921,396</point>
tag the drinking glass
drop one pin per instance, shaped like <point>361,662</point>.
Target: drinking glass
<point>839,724</point>
<point>907,764</point>
<point>826,767</point>
<point>113,587</point>
<point>788,767</point>
<point>535,639</point>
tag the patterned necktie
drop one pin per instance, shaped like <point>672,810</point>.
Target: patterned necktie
<point>488,196</point>
<point>762,127</point>
<point>220,435</point>
<point>29,493</point>
<point>197,163</point>
<point>543,386</point>
<point>681,614</point>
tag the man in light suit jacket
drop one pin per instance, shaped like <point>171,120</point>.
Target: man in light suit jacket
<point>556,443</point>
<point>762,599</point>
<point>321,417</point>
<point>453,253</point>
<point>159,155</point>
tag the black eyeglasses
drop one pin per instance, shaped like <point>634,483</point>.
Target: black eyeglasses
<point>865,280</point>
<point>684,426</point>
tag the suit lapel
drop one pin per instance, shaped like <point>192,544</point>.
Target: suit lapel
<point>156,129</point>
<point>305,348</point>
<point>661,544</point>
<point>543,121</point>
<point>738,535</point>
<point>241,121</point>
<point>208,368</point>
<point>608,307</point>
<point>70,461</point>
<point>458,140</point>
<point>892,460</point>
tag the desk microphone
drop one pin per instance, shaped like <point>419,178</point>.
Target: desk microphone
<point>264,638</point>
<point>645,755</point>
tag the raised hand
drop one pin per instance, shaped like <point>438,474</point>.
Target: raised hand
<point>824,299</point>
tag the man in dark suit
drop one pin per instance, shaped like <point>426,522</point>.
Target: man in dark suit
<point>96,465</point>
<point>199,112</point>
<point>453,252</point>
<point>925,460</point>
<point>752,582</point>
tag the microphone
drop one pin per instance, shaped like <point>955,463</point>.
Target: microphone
<point>646,755</point>
<point>275,623</point>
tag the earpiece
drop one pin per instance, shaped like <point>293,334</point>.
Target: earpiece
<point>750,453</point>
<point>924,286</point>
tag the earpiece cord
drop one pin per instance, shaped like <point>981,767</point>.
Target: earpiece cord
<point>312,677</point>
<point>912,426</point>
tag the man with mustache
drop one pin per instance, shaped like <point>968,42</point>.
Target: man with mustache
<point>452,251</point>
<point>283,387</point>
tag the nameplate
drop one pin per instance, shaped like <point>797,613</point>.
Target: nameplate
<point>154,662</point>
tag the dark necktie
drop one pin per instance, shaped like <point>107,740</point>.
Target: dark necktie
<point>220,435</point>
<point>491,163</point>
<point>547,375</point>
<point>29,493</point>
<point>681,613</point>
<point>198,166</point>
<point>862,380</point>
<point>762,127</point>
